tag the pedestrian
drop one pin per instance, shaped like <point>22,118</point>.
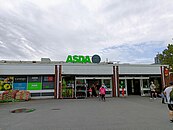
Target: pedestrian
<point>102,91</point>
<point>163,97</point>
<point>97,89</point>
<point>167,92</point>
<point>153,90</point>
<point>94,90</point>
<point>104,85</point>
<point>90,92</point>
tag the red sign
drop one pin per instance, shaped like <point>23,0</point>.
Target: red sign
<point>166,71</point>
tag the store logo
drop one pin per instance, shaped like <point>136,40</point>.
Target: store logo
<point>83,59</point>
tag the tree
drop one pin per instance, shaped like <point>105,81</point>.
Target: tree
<point>167,55</point>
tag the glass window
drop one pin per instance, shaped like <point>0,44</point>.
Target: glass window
<point>107,83</point>
<point>48,82</point>
<point>145,83</point>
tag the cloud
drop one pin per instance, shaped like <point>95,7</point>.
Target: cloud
<point>32,29</point>
<point>136,53</point>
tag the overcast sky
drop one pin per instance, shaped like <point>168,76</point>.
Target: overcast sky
<point>129,31</point>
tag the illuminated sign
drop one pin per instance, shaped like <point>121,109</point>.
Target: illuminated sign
<point>83,59</point>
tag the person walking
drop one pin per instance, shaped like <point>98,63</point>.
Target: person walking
<point>102,91</point>
<point>163,97</point>
<point>167,92</point>
<point>104,85</point>
<point>153,91</point>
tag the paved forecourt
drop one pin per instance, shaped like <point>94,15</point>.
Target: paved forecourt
<point>130,113</point>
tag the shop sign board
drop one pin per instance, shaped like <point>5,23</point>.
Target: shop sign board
<point>20,79</point>
<point>83,59</point>
<point>34,79</point>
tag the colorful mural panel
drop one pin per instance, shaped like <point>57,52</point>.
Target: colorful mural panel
<point>6,83</point>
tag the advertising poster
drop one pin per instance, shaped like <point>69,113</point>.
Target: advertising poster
<point>6,83</point>
<point>19,86</point>
<point>48,85</point>
<point>48,78</point>
<point>34,83</point>
<point>48,82</point>
<point>35,86</point>
<point>20,83</point>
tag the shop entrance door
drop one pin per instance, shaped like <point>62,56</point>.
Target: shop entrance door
<point>138,85</point>
<point>82,85</point>
<point>129,86</point>
<point>133,87</point>
<point>94,84</point>
<point>137,90</point>
<point>145,88</point>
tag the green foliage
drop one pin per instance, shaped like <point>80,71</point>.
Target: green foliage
<point>64,83</point>
<point>122,83</point>
<point>167,55</point>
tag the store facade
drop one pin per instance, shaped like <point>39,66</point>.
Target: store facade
<point>79,78</point>
<point>137,78</point>
<point>39,79</point>
<point>73,80</point>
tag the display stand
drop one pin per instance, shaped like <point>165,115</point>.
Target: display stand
<point>81,89</point>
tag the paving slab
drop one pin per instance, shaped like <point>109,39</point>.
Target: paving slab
<point>130,113</point>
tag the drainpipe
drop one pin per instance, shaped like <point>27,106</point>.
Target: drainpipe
<point>162,77</point>
<point>55,88</point>
<point>60,81</point>
<point>117,74</point>
<point>114,83</point>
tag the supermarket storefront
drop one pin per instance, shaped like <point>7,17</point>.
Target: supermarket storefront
<point>78,87</point>
<point>77,79</point>
<point>73,80</point>
<point>131,79</point>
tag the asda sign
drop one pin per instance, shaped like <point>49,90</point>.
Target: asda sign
<point>83,59</point>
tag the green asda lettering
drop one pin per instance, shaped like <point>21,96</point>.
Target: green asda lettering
<point>78,59</point>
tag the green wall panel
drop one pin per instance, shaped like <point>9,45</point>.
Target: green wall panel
<point>35,86</point>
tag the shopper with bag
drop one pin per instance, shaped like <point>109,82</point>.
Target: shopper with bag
<point>168,92</point>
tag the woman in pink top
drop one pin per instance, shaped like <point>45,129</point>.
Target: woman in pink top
<point>102,91</point>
